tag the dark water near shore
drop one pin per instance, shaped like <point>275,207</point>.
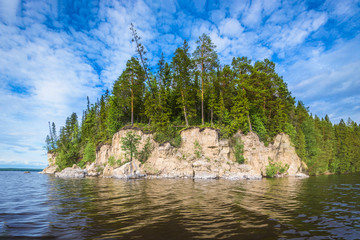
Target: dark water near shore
<point>43,207</point>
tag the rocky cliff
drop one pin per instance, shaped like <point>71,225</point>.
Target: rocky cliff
<point>202,154</point>
<point>51,169</point>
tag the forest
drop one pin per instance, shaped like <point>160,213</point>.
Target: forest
<point>195,89</point>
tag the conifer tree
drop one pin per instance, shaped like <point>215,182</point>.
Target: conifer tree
<point>206,60</point>
<point>182,70</point>
<point>129,89</point>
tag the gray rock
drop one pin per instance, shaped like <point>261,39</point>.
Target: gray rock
<point>92,170</point>
<point>71,172</point>
<point>129,170</point>
<point>301,175</point>
<point>50,169</point>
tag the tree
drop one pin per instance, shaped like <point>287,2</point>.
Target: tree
<point>181,66</point>
<point>129,89</point>
<point>51,139</point>
<point>206,60</point>
<point>140,50</point>
<point>69,143</point>
<point>129,144</point>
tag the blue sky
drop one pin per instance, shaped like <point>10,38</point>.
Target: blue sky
<point>55,53</point>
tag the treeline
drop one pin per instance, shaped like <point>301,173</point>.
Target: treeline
<point>194,89</point>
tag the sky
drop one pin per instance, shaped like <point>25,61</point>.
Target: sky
<point>53,54</point>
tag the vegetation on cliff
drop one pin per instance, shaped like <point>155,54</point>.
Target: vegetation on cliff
<point>197,90</point>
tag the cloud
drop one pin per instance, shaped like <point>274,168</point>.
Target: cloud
<point>297,31</point>
<point>252,15</point>
<point>331,76</point>
<point>55,53</point>
<point>230,27</point>
<point>9,10</point>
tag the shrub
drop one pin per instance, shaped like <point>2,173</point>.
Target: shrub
<point>111,161</point>
<point>170,135</point>
<point>197,149</point>
<point>129,144</point>
<point>238,148</point>
<point>144,154</point>
<point>275,168</point>
<point>239,151</point>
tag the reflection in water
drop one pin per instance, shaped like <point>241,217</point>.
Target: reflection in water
<point>96,208</point>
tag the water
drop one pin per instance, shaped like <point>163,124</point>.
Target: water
<point>43,207</point>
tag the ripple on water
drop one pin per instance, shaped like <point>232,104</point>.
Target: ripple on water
<point>42,206</point>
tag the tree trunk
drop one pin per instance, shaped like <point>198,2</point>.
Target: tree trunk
<point>202,86</point>
<point>212,116</point>
<point>132,102</point>
<point>249,122</point>
<point>185,115</point>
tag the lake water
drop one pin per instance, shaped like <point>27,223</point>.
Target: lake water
<point>43,207</point>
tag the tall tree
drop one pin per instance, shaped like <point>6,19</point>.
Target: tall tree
<point>182,69</point>
<point>206,60</point>
<point>129,88</point>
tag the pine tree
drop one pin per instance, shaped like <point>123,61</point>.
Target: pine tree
<point>129,89</point>
<point>182,70</point>
<point>206,60</point>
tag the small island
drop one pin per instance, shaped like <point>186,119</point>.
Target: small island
<point>196,118</point>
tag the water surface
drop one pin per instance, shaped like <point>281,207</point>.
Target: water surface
<point>43,207</point>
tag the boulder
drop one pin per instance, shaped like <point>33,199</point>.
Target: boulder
<point>92,170</point>
<point>50,169</point>
<point>71,172</point>
<point>301,175</point>
<point>129,170</point>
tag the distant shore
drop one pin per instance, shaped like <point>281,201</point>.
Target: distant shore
<point>21,169</point>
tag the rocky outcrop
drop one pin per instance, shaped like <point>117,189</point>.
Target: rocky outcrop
<point>129,170</point>
<point>258,156</point>
<point>202,155</point>
<point>102,156</point>
<point>72,172</point>
<point>52,167</point>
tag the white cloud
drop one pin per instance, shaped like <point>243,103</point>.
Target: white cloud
<point>9,10</point>
<point>332,75</point>
<point>230,27</point>
<point>54,73</point>
<point>297,31</point>
<point>252,17</point>
<point>56,69</point>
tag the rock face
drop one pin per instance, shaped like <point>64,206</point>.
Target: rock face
<point>52,167</point>
<point>281,150</point>
<point>50,170</point>
<point>202,155</point>
<point>71,172</point>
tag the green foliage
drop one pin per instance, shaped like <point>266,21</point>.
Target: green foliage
<point>238,150</point>
<point>130,144</point>
<point>69,143</point>
<point>51,139</point>
<point>259,128</point>
<point>89,154</point>
<point>194,90</point>
<point>291,131</point>
<point>170,135</point>
<point>275,168</point>
<point>111,161</point>
<point>145,153</point>
<point>198,149</point>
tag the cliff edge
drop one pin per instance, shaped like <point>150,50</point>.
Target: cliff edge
<point>202,154</point>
